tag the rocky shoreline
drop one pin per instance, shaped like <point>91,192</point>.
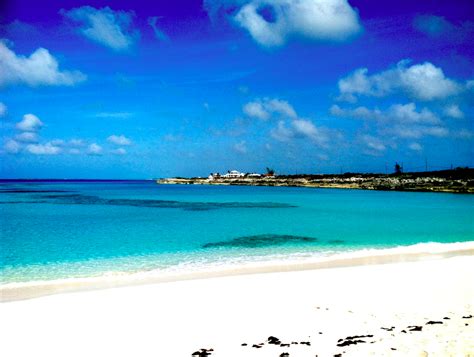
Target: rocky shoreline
<point>452,181</point>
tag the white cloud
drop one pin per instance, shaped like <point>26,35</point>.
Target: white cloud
<point>453,111</point>
<point>417,131</point>
<point>406,113</point>
<point>3,110</point>
<point>43,149</point>
<point>423,82</point>
<point>264,108</point>
<point>397,113</point>
<point>357,113</point>
<point>30,122</point>
<point>318,20</point>
<point>241,147</point>
<point>374,146</point>
<point>119,140</point>
<point>105,26</point>
<point>256,110</point>
<point>415,147</point>
<point>119,151</point>
<point>301,128</point>
<point>94,149</point>
<point>12,146</point>
<point>76,142</point>
<point>40,68</point>
<point>57,142</point>
<point>27,137</point>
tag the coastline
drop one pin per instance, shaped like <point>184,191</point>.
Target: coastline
<point>410,308</point>
<point>366,257</point>
<point>448,181</point>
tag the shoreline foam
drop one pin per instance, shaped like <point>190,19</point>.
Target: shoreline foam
<point>412,253</point>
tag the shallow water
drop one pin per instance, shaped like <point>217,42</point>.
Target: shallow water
<point>54,230</point>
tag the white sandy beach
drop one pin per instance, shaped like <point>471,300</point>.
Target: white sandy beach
<point>319,306</point>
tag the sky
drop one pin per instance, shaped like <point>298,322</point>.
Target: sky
<point>147,89</point>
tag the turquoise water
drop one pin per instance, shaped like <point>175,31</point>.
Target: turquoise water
<point>54,230</point>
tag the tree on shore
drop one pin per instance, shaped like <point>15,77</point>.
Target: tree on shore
<point>398,169</point>
<point>270,171</point>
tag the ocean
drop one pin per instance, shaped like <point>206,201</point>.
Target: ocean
<point>71,229</point>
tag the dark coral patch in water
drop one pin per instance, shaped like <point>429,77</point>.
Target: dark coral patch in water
<point>261,240</point>
<point>18,190</point>
<point>189,206</point>
<point>336,241</point>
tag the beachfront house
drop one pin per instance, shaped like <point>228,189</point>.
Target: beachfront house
<point>233,174</point>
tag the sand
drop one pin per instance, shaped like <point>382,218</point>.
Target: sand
<point>321,307</point>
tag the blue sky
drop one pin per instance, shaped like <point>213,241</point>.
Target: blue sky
<point>143,89</point>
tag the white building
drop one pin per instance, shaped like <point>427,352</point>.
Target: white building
<point>233,174</point>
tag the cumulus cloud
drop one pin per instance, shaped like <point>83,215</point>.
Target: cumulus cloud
<point>119,140</point>
<point>76,142</point>
<point>43,149</point>
<point>301,129</point>
<point>94,149</point>
<point>423,82</point>
<point>415,147</point>
<point>399,120</point>
<point>273,23</point>
<point>119,151</point>
<point>264,108</point>
<point>40,68</point>
<point>159,34</point>
<point>397,113</point>
<point>453,111</point>
<point>241,147</point>
<point>373,145</point>
<point>12,146</point>
<point>3,110</point>
<point>30,122</point>
<point>105,26</point>
<point>406,113</point>
<point>417,131</point>
<point>27,137</point>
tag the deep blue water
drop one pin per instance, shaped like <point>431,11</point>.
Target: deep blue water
<point>64,229</point>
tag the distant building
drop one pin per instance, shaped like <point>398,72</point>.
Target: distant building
<point>254,175</point>
<point>233,174</point>
<point>214,176</point>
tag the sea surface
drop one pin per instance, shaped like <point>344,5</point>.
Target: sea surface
<point>66,229</point>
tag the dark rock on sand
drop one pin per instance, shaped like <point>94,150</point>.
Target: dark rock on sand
<point>203,352</point>
<point>307,343</point>
<point>243,344</point>
<point>284,354</point>
<point>350,342</point>
<point>256,346</point>
<point>434,323</point>
<point>415,328</point>
<point>467,317</point>
<point>388,328</point>
<point>272,340</point>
